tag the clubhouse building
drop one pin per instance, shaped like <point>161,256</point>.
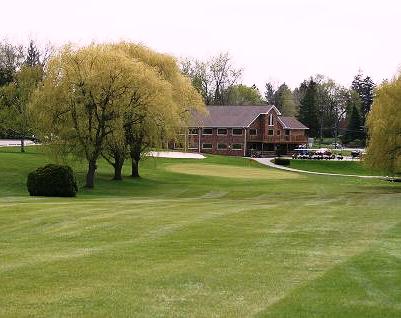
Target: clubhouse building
<point>242,131</point>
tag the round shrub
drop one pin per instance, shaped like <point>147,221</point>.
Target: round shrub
<point>52,181</point>
<point>282,161</point>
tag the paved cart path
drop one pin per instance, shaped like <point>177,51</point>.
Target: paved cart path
<point>268,162</point>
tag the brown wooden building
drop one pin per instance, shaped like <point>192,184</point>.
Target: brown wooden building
<point>241,130</point>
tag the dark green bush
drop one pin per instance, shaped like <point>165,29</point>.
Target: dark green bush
<point>282,161</point>
<point>52,181</point>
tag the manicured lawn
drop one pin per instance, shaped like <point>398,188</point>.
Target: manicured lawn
<point>206,241</point>
<point>331,166</point>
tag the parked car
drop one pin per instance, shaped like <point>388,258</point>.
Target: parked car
<point>301,153</point>
<point>337,145</point>
<point>324,153</point>
<point>356,154</point>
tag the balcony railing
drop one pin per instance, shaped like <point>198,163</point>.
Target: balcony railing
<point>279,139</point>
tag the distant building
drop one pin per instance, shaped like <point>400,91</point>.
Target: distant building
<point>242,131</point>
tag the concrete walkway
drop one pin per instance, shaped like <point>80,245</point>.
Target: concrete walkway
<point>268,162</point>
<point>14,143</point>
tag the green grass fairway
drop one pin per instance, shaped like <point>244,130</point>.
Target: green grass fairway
<point>198,238</point>
<point>341,167</point>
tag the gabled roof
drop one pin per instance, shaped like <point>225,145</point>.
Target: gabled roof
<point>230,116</point>
<point>291,123</point>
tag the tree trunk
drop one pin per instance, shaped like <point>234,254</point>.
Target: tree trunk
<point>321,131</point>
<point>118,167</point>
<point>90,176</point>
<point>22,145</point>
<point>135,154</point>
<point>336,134</point>
<point>135,168</point>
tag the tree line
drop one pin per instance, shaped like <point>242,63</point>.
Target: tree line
<point>326,107</point>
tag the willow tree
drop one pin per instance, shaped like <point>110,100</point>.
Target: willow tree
<point>384,128</point>
<point>157,120</point>
<point>84,95</point>
<point>150,98</point>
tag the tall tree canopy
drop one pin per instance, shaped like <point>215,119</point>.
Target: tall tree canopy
<point>269,93</point>
<point>15,115</point>
<point>11,58</point>
<point>365,88</point>
<point>21,71</point>
<point>354,128</point>
<point>308,111</point>
<point>212,78</point>
<point>284,100</point>
<point>92,97</point>
<point>153,126</point>
<point>384,128</point>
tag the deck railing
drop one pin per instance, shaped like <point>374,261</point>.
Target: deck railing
<point>279,139</point>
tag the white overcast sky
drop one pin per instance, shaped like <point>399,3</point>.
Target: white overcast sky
<point>272,40</point>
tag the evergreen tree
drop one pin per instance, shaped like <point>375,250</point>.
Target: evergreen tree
<point>269,93</point>
<point>308,111</point>
<point>365,88</point>
<point>354,129</point>
<point>367,101</point>
<point>33,55</point>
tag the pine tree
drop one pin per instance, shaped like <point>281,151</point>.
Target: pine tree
<point>33,55</point>
<point>308,110</point>
<point>368,94</point>
<point>269,93</point>
<point>354,129</point>
<point>365,88</point>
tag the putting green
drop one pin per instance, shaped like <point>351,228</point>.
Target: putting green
<point>216,170</point>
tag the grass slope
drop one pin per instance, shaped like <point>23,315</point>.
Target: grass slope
<point>212,244</point>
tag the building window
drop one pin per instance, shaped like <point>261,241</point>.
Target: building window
<point>193,145</point>
<point>206,146</point>
<point>278,132</point>
<point>237,146</point>
<point>237,131</point>
<point>222,131</point>
<point>207,131</point>
<point>253,132</point>
<point>287,132</point>
<point>221,146</point>
<point>271,120</point>
<point>270,132</point>
<point>192,131</point>
<point>178,145</point>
